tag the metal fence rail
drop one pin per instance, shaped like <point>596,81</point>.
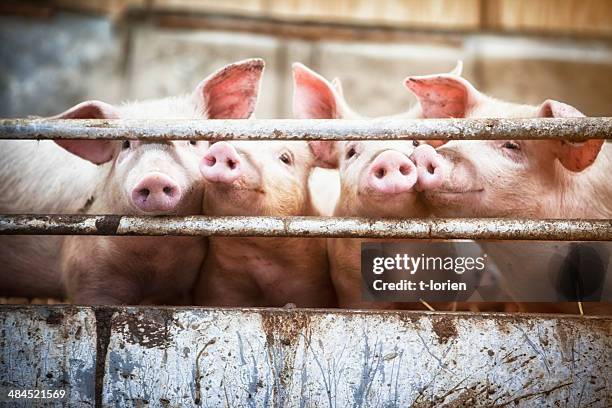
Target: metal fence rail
<point>570,129</point>
<point>443,228</point>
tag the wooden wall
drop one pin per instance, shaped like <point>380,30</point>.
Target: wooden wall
<point>567,17</point>
<point>586,17</point>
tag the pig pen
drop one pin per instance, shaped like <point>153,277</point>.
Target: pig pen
<point>192,356</point>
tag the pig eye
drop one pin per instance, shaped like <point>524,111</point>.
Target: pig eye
<point>415,143</point>
<point>285,158</point>
<point>193,142</point>
<point>125,145</point>
<point>350,153</point>
<point>511,145</point>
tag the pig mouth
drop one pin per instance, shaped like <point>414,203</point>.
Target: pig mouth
<point>454,197</point>
<point>239,188</point>
<point>385,196</point>
<point>456,192</point>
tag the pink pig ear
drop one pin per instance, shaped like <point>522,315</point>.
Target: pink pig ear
<point>231,92</point>
<point>326,153</point>
<point>313,96</point>
<point>337,84</point>
<point>573,156</point>
<point>443,95</point>
<point>458,70</point>
<point>436,143</point>
<point>96,151</point>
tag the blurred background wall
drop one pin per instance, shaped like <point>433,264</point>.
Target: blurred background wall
<point>54,54</point>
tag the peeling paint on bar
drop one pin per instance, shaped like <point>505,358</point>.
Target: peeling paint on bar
<point>442,228</point>
<point>570,129</point>
<point>302,358</point>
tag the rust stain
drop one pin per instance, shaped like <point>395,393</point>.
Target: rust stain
<point>148,329</point>
<point>445,328</point>
<point>108,225</point>
<point>284,326</point>
<point>55,317</point>
<point>283,330</point>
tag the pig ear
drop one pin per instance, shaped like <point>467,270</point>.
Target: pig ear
<point>313,96</point>
<point>231,92</point>
<point>555,109</point>
<point>443,95</point>
<point>96,151</point>
<point>458,70</point>
<point>338,86</point>
<point>89,110</point>
<point>573,156</point>
<point>436,143</point>
<point>326,153</point>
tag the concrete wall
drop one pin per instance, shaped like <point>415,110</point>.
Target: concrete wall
<point>47,65</point>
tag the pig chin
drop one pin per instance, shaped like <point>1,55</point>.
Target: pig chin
<point>236,198</point>
<point>387,204</point>
<point>374,195</point>
<point>453,201</point>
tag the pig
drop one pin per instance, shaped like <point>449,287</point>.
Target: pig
<point>513,178</point>
<point>507,178</point>
<point>261,178</point>
<point>315,98</point>
<point>119,177</point>
<point>378,179</point>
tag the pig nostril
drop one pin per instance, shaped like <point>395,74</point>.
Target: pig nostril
<point>210,161</point>
<point>231,164</point>
<point>168,190</point>
<point>380,173</point>
<point>144,192</point>
<point>405,170</point>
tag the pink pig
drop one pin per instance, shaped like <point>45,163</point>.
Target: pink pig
<point>526,178</point>
<point>115,177</point>
<point>377,178</point>
<point>262,178</point>
<point>508,178</point>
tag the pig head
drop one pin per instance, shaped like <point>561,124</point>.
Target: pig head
<point>527,178</point>
<point>140,177</point>
<point>378,178</point>
<point>258,178</point>
<point>162,177</point>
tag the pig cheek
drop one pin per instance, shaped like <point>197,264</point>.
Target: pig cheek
<point>284,195</point>
<point>288,202</point>
<point>124,155</point>
<point>192,188</point>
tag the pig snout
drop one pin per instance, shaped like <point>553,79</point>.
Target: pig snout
<point>429,168</point>
<point>221,163</point>
<point>391,172</point>
<point>156,192</point>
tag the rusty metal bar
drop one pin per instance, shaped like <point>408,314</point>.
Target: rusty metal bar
<point>449,228</point>
<point>570,129</point>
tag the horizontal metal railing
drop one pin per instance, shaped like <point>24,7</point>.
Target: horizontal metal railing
<point>570,129</point>
<point>442,228</point>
